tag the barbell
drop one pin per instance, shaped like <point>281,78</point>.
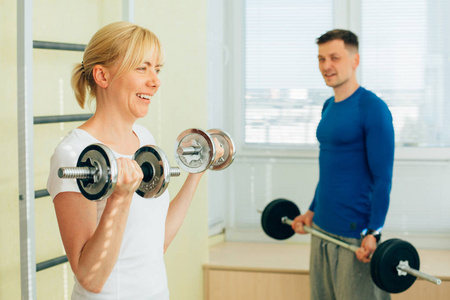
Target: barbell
<point>394,266</point>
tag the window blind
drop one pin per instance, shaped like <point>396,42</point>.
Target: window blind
<point>284,91</point>
<point>404,47</point>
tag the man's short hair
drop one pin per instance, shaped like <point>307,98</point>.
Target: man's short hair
<point>349,38</point>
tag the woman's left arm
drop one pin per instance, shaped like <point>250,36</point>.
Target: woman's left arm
<point>179,206</point>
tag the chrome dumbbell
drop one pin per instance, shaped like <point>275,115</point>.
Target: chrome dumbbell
<point>96,172</point>
<point>195,150</point>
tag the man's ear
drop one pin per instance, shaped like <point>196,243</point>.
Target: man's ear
<point>101,76</point>
<point>356,60</point>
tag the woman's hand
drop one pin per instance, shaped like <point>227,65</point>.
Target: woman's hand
<point>219,150</point>
<point>129,178</point>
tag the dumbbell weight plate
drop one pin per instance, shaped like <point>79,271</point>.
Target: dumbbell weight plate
<point>102,185</point>
<point>384,267</point>
<point>156,169</point>
<point>195,163</point>
<point>271,218</point>
<point>229,151</point>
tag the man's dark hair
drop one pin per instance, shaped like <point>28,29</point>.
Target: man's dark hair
<point>349,38</point>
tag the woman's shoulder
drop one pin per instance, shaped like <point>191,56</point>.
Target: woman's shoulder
<point>74,143</point>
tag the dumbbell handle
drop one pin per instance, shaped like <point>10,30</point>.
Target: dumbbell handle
<point>175,171</point>
<point>192,150</point>
<point>189,150</point>
<point>89,172</point>
<point>77,172</point>
<point>402,266</point>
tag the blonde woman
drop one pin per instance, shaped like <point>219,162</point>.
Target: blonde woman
<point>115,246</point>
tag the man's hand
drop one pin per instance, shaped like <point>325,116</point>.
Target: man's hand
<point>368,246</point>
<point>305,219</point>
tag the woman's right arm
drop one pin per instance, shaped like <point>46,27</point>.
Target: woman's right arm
<point>93,250</point>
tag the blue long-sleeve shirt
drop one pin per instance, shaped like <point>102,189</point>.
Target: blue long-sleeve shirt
<point>356,159</point>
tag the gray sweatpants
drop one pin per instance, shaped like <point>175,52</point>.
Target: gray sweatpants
<point>336,274</point>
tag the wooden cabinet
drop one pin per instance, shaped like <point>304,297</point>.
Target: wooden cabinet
<point>237,285</point>
<point>258,271</point>
<point>423,290</point>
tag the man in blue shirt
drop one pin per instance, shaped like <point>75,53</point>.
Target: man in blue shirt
<point>356,158</point>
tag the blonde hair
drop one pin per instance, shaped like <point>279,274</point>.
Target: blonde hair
<point>119,41</point>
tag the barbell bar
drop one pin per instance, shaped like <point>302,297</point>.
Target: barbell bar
<point>96,171</point>
<point>394,265</point>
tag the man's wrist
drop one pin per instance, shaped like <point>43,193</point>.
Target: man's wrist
<point>375,233</point>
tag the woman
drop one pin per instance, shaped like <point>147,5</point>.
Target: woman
<point>115,247</point>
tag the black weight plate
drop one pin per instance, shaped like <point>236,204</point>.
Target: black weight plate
<point>271,218</point>
<point>374,262</point>
<point>101,157</point>
<point>155,166</point>
<point>388,259</point>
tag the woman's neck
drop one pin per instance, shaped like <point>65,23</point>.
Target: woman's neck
<point>113,130</point>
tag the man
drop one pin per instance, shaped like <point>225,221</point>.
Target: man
<point>351,201</point>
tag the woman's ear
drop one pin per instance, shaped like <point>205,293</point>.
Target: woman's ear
<point>101,76</point>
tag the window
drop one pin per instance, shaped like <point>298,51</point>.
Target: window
<point>284,91</point>
<point>272,95</point>
<point>405,49</point>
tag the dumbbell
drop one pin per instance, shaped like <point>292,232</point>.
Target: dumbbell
<point>394,265</point>
<point>195,150</point>
<point>96,172</point>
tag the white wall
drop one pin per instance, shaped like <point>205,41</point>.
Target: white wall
<point>179,104</point>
